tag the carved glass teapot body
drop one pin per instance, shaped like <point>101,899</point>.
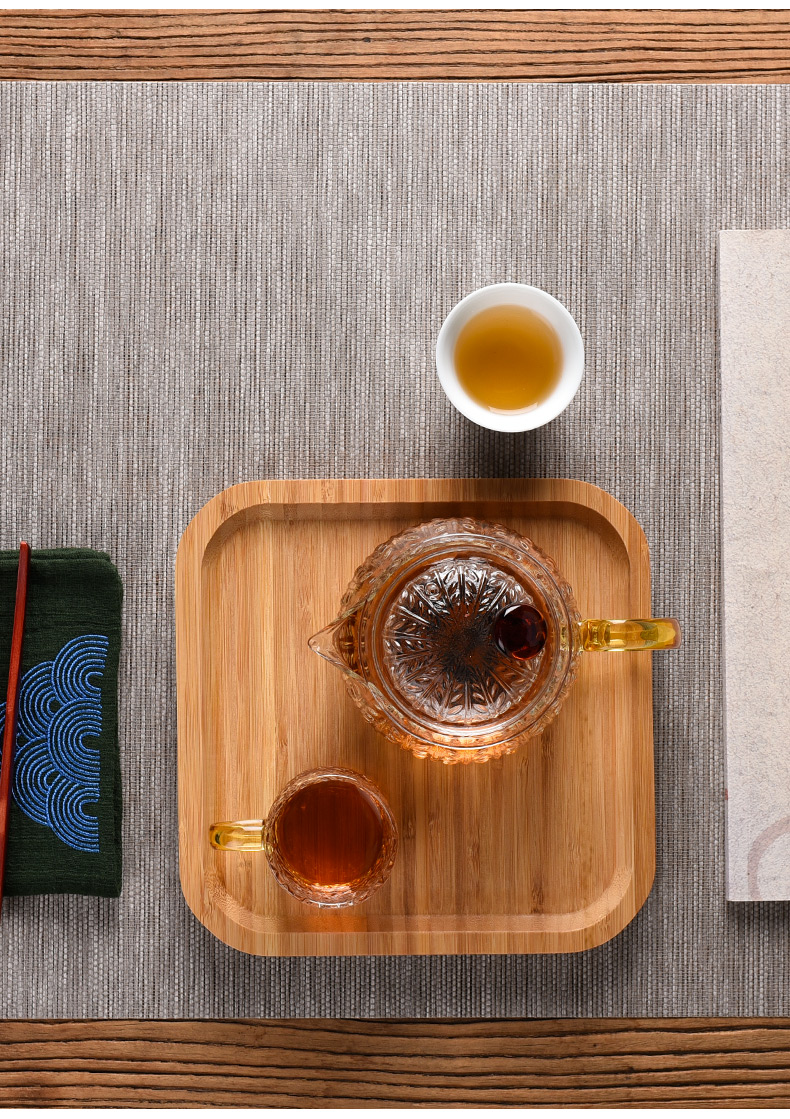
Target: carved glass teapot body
<point>460,639</point>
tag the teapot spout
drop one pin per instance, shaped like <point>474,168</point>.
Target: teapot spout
<point>335,643</point>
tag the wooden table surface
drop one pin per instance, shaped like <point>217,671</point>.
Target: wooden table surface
<point>661,1062</point>
<point>634,46</point>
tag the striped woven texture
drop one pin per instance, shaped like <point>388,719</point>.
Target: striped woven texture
<point>207,283</point>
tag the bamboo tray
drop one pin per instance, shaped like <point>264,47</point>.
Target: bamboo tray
<point>551,849</point>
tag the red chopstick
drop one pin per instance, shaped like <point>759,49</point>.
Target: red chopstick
<point>12,701</point>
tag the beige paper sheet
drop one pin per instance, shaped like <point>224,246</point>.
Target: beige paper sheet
<point>755,370</point>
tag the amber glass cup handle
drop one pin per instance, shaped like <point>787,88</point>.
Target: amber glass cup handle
<point>238,835</point>
<point>601,636</point>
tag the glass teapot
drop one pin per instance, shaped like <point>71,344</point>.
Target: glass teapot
<point>459,639</point>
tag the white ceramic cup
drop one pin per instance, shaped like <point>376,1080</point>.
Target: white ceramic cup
<point>497,295</point>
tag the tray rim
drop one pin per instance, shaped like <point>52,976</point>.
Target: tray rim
<point>239,500</point>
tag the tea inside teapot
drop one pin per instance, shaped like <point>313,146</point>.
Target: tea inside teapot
<point>439,652</point>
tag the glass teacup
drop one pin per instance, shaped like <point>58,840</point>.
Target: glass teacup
<point>415,639</point>
<point>330,837</point>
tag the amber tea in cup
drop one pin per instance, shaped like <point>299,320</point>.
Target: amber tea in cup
<point>508,358</point>
<point>330,837</point>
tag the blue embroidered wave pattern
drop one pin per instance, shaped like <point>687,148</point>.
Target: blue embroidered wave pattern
<point>56,771</point>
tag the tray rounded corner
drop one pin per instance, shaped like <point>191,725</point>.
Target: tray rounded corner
<point>215,512</point>
<point>195,905</point>
<point>630,905</point>
<point>620,517</point>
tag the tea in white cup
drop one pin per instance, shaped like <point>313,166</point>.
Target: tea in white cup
<point>510,357</point>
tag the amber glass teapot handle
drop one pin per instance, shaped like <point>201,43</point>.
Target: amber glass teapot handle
<point>601,636</point>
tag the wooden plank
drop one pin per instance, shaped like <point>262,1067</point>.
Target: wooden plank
<point>263,566</point>
<point>615,1063</point>
<point>627,46</point>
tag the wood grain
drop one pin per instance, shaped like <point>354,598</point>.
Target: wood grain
<point>551,849</point>
<point>612,46</point>
<point>355,1064</point>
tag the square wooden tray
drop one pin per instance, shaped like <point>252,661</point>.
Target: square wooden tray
<point>551,849</point>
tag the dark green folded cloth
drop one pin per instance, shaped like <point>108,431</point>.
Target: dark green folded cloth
<point>65,826</point>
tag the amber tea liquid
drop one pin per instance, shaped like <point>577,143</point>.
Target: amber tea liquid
<point>330,833</point>
<point>508,358</point>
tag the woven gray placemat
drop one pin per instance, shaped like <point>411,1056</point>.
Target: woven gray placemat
<point>207,283</point>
